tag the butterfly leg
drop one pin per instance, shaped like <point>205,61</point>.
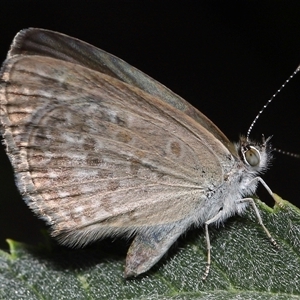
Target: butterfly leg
<point>149,246</point>
<point>276,198</point>
<point>212,220</point>
<point>251,201</point>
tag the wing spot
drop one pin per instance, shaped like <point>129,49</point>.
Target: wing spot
<point>175,149</point>
<point>89,144</point>
<point>113,185</point>
<point>124,136</point>
<point>93,160</point>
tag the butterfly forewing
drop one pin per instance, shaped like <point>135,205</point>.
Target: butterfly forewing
<point>130,163</point>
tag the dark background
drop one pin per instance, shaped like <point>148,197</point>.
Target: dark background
<point>227,58</point>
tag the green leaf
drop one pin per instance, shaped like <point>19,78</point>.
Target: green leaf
<point>245,265</point>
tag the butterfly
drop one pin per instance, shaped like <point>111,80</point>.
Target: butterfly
<point>101,149</point>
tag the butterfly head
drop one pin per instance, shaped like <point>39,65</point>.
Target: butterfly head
<point>256,156</point>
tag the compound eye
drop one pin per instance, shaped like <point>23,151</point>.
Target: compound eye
<point>252,156</point>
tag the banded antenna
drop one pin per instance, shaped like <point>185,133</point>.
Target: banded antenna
<point>266,105</point>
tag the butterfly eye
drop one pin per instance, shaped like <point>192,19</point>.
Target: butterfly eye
<point>252,156</point>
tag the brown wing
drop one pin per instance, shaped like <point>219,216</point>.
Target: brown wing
<point>90,151</point>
